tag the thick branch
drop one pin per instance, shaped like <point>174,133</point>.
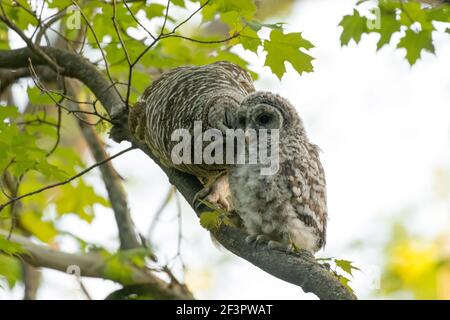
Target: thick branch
<point>118,198</point>
<point>300,269</point>
<point>75,66</point>
<point>93,265</point>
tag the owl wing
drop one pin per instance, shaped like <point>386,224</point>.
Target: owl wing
<point>239,74</point>
<point>306,180</point>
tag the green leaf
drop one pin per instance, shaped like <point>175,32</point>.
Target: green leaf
<point>19,16</point>
<point>415,43</point>
<point>119,266</point>
<point>59,4</point>
<point>155,10</point>
<point>37,97</point>
<point>105,126</point>
<point>241,9</point>
<point>389,25</point>
<point>345,282</point>
<point>440,13</point>
<point>50,171</point>
<point>4,41</point>
<point>67,160</point>
<point>83,204</point>
<point>248,38</point>
<point>10,270</point>
<point>283,48</point>
<point>33,223</point>
<point>389,5</point>
<point>346,265</point>
<point>412,12</point>
<point>180,3</point>
<point>213,219</point>
<point>10,248</point>
<point>256,25</point>
<point>210,220</point>
<point>353,27</point>
<point>8,112</point>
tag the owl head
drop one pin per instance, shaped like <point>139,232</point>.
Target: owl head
<point>265,110</point>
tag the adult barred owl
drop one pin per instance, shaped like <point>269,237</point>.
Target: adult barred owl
<point>286,208</point>
<point>183,95</point>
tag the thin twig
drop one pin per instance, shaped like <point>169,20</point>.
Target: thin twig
<point>61,183</point>
<point>166,17</point>
<point>108,72</point>
<point>190,16</point>
<point>137,20</point>
<point>51,63</point>
<point>36,81</point>
<point>46,24</point>
<point>160,210</point>
<point>168,35</point>
<point>180,230</point>
<point>124,48</point>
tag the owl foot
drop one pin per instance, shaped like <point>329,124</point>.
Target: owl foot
<point>217,194</point>
<point>257,239</point>
<point>278,246</point>
<point>261,239</point>
<point>271,244</point>
<point>290,249</point>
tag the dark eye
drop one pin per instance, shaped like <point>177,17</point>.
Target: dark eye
<point>264,118</point>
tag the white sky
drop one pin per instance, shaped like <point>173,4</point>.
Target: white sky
<point>383,127</point>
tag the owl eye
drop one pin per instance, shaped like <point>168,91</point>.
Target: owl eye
<point>264,118</point>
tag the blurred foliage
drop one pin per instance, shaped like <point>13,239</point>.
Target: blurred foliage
<point>416,267</point>
<point>415,22</point>
<point>120,265</point>
<point>10,270</point>
<point>27,165</point>
<point>270,8</point>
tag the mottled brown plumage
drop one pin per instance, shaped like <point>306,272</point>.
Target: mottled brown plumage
<point>183,95</point>
<point>288,207</point>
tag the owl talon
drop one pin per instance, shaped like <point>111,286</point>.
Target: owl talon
<point>275,245</point>
<point>257,239</point>
<point>250,239</point>
<point>278,246</point>
<point>201,196</point>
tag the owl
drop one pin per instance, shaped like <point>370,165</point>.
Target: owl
<point>288,208</point>
<point>180,97</point>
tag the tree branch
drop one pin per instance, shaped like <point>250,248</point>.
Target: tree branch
<point>75,66</point>
<point>301,270</point>
<point>129,239</point>
<point>94,265</point>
